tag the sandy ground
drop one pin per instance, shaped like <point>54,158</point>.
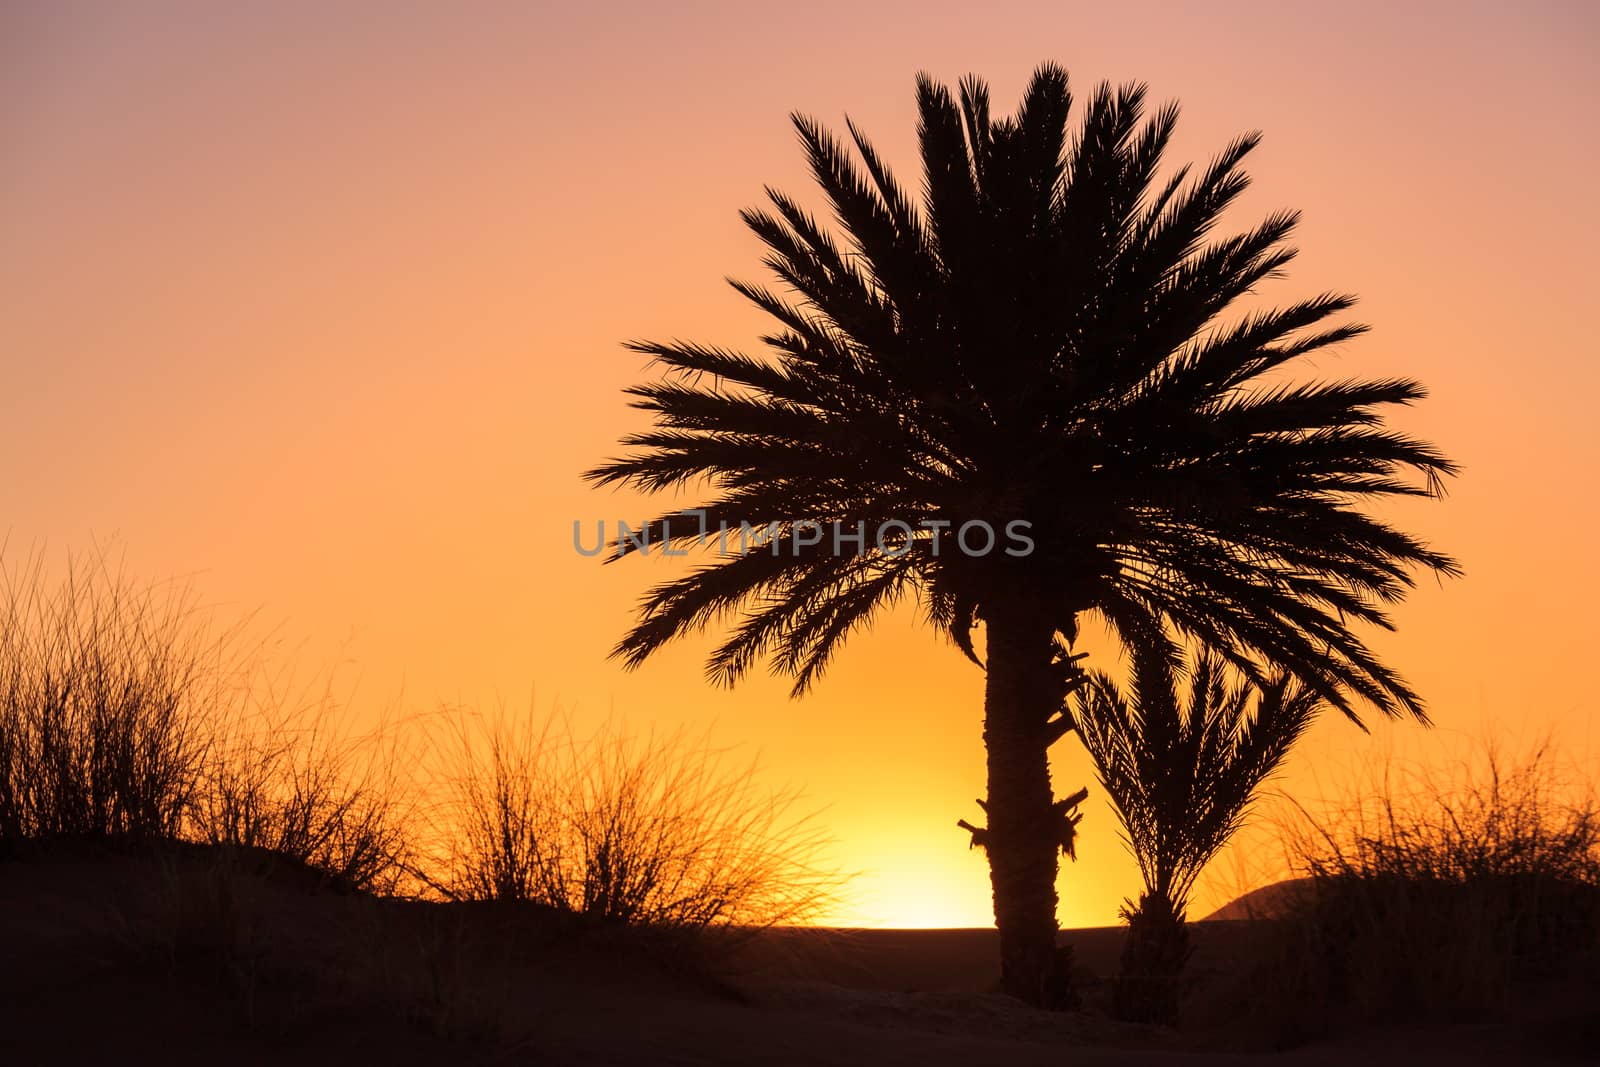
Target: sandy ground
<point>132,961</point>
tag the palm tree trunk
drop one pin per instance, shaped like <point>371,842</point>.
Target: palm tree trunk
<point>1153,958</point>
<point>1023,839</point>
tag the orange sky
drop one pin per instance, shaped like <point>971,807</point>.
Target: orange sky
<point>326,310</point>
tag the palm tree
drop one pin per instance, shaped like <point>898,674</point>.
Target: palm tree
<point>1182,776</point>
<point>1041,340</point>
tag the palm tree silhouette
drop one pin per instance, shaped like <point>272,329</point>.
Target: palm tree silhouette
<point>1040,339</point>
<point>1182,775</point>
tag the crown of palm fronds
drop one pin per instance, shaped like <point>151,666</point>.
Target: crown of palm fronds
<point>1041,338</point>
<point>1182,773</point>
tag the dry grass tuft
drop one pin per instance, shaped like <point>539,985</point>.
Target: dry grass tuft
<point>1436,896</point>
<point>665,832</point>
<point>287,780</point>
<point>109,693</point>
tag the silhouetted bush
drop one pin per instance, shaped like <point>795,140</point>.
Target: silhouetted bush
<point>1434,899</point>
<point>661,832</point>
<point>128,715</point>
<point>287,781</point>
<point>108,694</point>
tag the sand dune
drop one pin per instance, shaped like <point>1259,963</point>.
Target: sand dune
<point>119,959</point>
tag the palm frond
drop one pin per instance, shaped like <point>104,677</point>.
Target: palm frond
<point>1044,331</point>
<point>1183,764</point>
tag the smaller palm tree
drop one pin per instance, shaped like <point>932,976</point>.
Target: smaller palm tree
<point>1182,777</point>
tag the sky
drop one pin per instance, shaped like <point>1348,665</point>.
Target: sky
<point>321,307</point>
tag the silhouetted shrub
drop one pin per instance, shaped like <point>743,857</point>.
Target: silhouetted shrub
<point>289,782</point>
<point>127,714</point>
<point>661,832</point>
<point>108,694</point>
<point>1433,899</point>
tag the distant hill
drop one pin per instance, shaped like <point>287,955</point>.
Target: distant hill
<point>1267,902</point>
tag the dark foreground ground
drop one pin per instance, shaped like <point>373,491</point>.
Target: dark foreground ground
<point>189,960</point>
